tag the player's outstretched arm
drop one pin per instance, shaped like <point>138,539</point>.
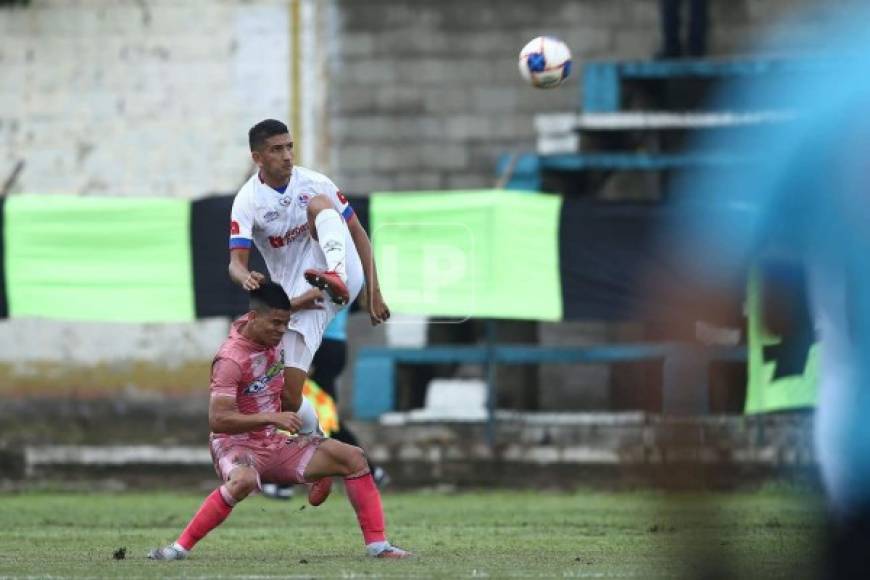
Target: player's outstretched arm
<point>374,301</point>
<point>224,417</point>
<point>239,273</point>
<point>310,300</point>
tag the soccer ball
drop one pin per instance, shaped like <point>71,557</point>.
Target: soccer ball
<point>545,62</point>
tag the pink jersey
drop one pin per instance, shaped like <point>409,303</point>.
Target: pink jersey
<point>251,374</point>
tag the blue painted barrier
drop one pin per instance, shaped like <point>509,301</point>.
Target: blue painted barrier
<point>375,368</point>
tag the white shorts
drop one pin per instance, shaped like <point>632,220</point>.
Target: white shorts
<point>306,327</point>
<point>297,354</point>
<point>305,333</point>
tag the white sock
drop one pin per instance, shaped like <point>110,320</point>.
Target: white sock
<point>330,234</point>
<point>308,415</point>
<point>376,548</point>
<point>180,548</point>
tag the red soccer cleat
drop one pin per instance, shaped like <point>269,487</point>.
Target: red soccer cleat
<point>331,283</point>
<point>319,491</point>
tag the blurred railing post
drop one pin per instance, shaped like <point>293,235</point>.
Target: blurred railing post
<point>490,335</point>
<point>685,378</point>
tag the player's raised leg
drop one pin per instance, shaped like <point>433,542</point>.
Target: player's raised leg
<point>328,228</point>
<point>336,458</point>
<point>214,510</point>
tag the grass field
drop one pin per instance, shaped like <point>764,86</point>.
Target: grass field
<point>769,534</point>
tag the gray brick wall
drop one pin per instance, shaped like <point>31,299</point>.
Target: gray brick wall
<point>449,67</point>
<point>118,97</point>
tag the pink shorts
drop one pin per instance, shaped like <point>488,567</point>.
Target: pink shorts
<point>277,459</point>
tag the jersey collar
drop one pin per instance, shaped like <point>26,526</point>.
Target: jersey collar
<point>280,190</point>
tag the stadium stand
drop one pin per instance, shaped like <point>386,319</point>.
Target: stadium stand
<point>636,116</point>
<point>375,370</point>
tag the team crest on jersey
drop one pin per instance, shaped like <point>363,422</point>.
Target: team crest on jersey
<point>259,385</point>
<point>271,216</point>
<point>285,200</point>
<point>303,199</point>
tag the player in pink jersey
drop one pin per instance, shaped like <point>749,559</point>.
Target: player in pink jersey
<point>248,396</point>
<point>308,236</point>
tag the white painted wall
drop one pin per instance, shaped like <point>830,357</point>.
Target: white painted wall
<point>27,341</point>
<point>152,98</point>
<point>147,98</point>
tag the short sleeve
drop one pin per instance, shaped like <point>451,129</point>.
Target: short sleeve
<point>225,378</point>
<point>338,200</point>
<point>241,223</point>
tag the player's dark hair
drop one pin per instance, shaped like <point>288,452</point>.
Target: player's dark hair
<point>258,134</point>
<point>268,296</point>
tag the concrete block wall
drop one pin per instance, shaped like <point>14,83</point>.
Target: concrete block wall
<point>152,98</point>
<point>118,97</point>
<point>127,98</point>
<point>559,449</point>
<point>426,95</point>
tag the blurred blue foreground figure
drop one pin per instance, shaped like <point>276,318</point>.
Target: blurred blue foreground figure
<point>806,198</point>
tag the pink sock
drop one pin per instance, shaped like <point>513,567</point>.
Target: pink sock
<point>212,512</point>
<point>366,502</point>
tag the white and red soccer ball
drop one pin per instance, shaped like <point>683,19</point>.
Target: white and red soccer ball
<point>545,62</point>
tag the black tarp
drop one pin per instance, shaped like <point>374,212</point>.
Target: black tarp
<point>216,294</point>
<point>603,251</point>
<point>616,264</point>
<point>360,205</point>
<point>4,309</point>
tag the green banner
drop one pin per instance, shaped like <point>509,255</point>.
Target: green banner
<point>99,258</point>
<point>770,387</point>
<point>490,254</point>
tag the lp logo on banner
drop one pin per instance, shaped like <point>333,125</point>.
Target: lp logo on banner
<point>428,269</point>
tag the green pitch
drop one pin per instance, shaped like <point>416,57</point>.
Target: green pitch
<point>486,534</point>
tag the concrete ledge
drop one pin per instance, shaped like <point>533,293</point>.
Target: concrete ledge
<point>555,449</point>
<point>578,438</point>
<point>119,455</point>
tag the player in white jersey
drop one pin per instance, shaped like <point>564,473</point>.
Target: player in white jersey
<point>309,236</point>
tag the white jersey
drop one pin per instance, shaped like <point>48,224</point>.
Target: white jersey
<point>277,223</point>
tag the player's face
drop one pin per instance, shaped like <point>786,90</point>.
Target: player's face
<point>275,157</point>
<point>269,327</point>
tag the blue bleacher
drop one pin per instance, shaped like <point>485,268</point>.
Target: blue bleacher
<point>603,92</point>
<point>603,80</point>
<point>527,171</point>
<point>636,161</point>
<point>525,174</point>
<point>374,391</point>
